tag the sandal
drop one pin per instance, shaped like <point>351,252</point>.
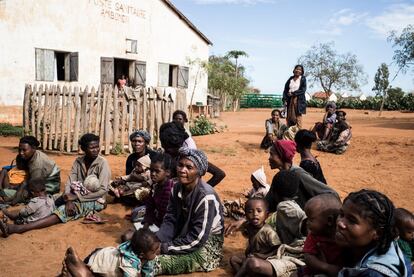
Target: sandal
<point>4,229</point>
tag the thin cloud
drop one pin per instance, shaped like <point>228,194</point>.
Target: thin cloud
<point>396,17</point>
<point>232,2</point>
<point>293,43</point>
<point>339,20</point>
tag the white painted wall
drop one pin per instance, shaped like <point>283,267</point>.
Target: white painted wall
<point>79,26</point>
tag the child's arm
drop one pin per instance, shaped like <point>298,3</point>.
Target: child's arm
<point>320,266</point>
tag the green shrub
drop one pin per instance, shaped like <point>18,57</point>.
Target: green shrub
<point>407,103</point>
<point>117,149</point>
<point>202,126</point>
<point>7,129</point>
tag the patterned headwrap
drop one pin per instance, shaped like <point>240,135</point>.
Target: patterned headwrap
<point>141,133</point>
<point>286,149</point>
<point>197,157</point>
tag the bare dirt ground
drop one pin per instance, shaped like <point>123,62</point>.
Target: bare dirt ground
<point>380,157</point>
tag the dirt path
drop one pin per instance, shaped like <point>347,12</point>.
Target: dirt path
<point>380,157</point>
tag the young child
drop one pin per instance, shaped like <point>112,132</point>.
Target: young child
<point>322,254</point>
<point>40,206</point>
<point>404,221</point>
<point>138,179</point>
<point>11,179</point>
<point>365,227</point>
<point>131,258</point>
<point>323,129</point>
<point>259,184</point>
<point>157,201</point>
<point>340,137</point>
<point>263,239</point>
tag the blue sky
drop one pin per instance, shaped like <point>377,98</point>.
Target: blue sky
<point>275,33</point>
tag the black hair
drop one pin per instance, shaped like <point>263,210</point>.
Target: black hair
<point>86,139</point>
<point>263,200</point>
<point>277,111</point>
<point>172,135</point>
<point>340,111</point>
<point>30,140</point>
<point>180,112</point>
<point>379,210</point>
<point>163,158</point>
<point>285,184</point>
<point>142,241</point>
<point>305,138</point>
<point>402,216</point>
<point>301,67</point>
<point>37,185</point>
<point>329,203</point>
<point>21,163</point>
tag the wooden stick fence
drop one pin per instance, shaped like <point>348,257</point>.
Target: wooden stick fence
<point>57,116</point>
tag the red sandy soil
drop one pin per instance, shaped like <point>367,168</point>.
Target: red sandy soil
<point>380,157</point>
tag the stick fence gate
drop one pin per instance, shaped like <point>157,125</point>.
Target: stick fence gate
<point>59,115</point>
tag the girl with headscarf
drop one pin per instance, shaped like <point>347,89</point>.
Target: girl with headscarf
<point>139,142</point>
<point>294,97</point>
<point>191,233</point>
<point>173,136</point>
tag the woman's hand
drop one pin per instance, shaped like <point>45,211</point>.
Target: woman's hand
<point>70,208</point>
<point>233,227</point>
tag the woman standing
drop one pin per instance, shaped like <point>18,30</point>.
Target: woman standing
<point>139,142</point>
<point>294,97</point>
<point>191,234</point>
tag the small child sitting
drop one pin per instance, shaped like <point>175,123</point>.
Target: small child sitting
<point>259,184</point>
<point>263,239</point>
<point>404,221</point>
<point>12,178</point>
<point>322,254</point>
<point>323,129</point>
<point>139,178</point>
<point>157,201</point>
<point>131,258</point>
<point>40,206</point>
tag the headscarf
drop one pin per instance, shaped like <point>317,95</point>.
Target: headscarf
<point>197,157</point>
<point>145,161</point>
<point>141,133</point>
<point>286,149</point>
<point>260,176</point>
<point>172,135</point>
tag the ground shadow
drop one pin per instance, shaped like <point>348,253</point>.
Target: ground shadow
<point>402,125</point>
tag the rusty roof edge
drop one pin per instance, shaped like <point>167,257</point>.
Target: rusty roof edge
<point>187,21</point>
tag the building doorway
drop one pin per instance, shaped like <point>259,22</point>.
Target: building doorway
<point>112,70</point>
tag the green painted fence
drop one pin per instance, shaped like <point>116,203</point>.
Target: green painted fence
<point>261,101</point>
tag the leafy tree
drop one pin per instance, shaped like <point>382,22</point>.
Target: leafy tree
<point>236,54</point>
<point>404,52</point>
<point>381,83</point>
<point>323,65</point>
<point>394,98</point>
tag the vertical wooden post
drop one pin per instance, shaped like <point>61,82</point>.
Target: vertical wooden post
<point>52,134</point>
<point>45,121</point>
<point>137,109</point>
<point>62,122</point>
<point>130,121</point>
<point>26,108</point>
<point>108,128</point>
<point>145,109</point>
<point>69,120</point>
<point>98,110</point>
<point>33,112</point>
<point>58,119</point>
<point>40,113</point>
<point>84,117</point>
<point>123,120</point>
<point>103,114</point>
<point>77,120</point>
<point>151,100</point>
<point>116,116</point>
<point>92,111</point>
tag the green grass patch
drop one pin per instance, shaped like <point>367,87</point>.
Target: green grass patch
<point>8,130</point>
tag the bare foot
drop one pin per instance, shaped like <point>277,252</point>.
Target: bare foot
<point>75,266</point>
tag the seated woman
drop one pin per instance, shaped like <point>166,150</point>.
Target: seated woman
<point>39,165</point>
<point>191,234</point>
<point>139,142</point>
<point>173,136</point>
<point>308,162</point>
<point>274,129</point>
<point>72,206</point>
<point>323,129</point>
<point>340,138</point>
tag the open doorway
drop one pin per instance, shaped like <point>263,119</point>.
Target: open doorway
<point>112,70</point>
<point>121,67</point>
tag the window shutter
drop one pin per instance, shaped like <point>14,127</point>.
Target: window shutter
<point>134,46</point>
<point>107,71</point>
<point>183,77</point>
<point>163,74</point>
<point>140,73</point>
<point>74,66</point>
<point>49,65</point>
<point>40,64</point>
